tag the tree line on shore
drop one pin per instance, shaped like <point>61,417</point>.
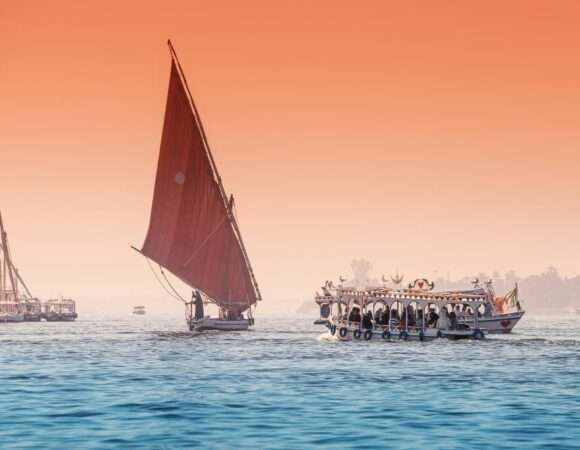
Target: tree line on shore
<point>545,293</point>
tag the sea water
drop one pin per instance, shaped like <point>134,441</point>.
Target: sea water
<point>144,383</point>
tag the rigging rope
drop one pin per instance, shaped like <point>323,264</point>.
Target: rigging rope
<point>160,282</point>
<point>171,286</point>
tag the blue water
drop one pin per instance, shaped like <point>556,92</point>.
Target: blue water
<point>136,384</point>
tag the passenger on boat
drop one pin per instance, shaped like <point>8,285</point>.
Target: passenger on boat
<point>378,315</point>
<point>354,315</point>
<point>411,316</point>
<point>443,321</point>
<point>395,314</point>
<point>433,318</point>
<point>386,316</point>
<point>367,320</point>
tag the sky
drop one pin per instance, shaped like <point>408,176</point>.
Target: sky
<point>427,137</point>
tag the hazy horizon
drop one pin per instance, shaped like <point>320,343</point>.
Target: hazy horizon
<point>424,138</point>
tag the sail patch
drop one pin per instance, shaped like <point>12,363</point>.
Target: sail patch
<point>180,178</point>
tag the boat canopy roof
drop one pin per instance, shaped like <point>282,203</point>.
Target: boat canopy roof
<point>405,296</point>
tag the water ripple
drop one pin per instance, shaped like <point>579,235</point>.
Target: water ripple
<point>146,384</point>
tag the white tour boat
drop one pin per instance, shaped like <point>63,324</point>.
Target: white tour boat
<point>413,313</point>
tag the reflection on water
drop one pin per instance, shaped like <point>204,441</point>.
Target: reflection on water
<point>143,383</point>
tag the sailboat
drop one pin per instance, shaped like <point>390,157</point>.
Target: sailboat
<point>193,232</point>
<point>15,306</point>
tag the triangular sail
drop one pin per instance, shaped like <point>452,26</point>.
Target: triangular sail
<point>192,230</point>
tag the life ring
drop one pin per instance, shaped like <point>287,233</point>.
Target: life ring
<point>343,332</point>
<point>357,333</point>
<point>421,335</point>
<point>386,334</point>
<point>478,334</point>
<point>333,329</point>
<point>439,334</point>
<point>368,335</point>
<point>403,335</point>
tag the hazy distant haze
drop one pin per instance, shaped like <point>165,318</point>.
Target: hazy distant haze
<point>440,136</point>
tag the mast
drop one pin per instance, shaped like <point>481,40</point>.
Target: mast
<point>7,261</point>
<point>228,205</point>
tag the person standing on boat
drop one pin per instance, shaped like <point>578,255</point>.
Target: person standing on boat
<point>198,301</point>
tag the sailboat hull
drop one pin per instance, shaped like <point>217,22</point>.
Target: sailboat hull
<point>11,318</point>
<point>498,324</point>
<point>209,324</point>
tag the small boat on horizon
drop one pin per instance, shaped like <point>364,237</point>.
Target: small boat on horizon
<point>193,232</point>
<point>139,310</point>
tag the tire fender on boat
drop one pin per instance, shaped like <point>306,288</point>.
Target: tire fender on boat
<point>333,329</point>
<point>478,334</point>
<point>403,335</point>
<point>368,335</point>
<point>343,332</point>
<point>357,334</point>
<point>386,334</point>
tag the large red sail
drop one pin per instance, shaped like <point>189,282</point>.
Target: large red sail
<point>191,231</point>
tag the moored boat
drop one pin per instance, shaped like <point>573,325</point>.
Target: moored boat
<point>193,231</point>
<point>11,298</point>
<point>10,309</point>
<point>32,310</point>
<point>139,310</point>
<point>59,310</point>
<point>16,302</point>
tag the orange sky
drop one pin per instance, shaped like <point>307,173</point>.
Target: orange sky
<point>420,135</point>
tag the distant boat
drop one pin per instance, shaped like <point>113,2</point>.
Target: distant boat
<point>16,302</point>
<point>59,310</point>
<point>139,310</point>
<point>12,300</point>
<point>193,232</point>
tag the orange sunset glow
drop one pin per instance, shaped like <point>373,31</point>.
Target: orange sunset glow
<point>423,136</point>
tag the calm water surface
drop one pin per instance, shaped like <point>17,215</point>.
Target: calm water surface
<point>138,383</point>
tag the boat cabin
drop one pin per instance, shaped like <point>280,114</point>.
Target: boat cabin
<point>403,314</point>
<point>59,310</point>
<point>32,310</point>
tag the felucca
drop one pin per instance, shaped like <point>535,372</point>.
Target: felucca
<point>15,305</point>
<point>193,232</point>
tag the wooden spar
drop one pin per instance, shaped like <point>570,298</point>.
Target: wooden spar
<point>19,277</point>
<point>22,282</point>
<point>7,262</point>
<point>233,220</point>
